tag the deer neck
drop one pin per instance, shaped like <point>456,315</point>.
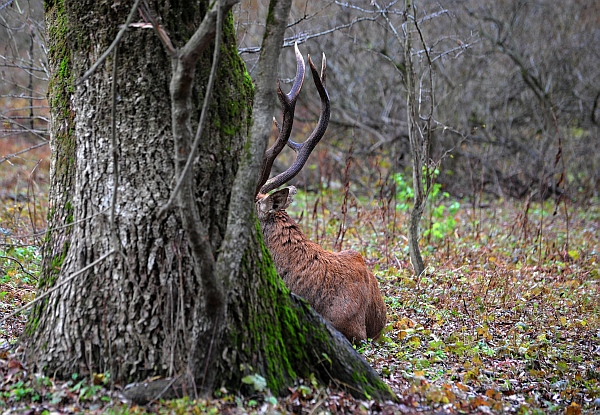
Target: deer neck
<point>282,233</point>
<point>289,247</point>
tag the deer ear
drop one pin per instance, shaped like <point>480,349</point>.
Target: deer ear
<point>279,199</point>
<point>292,193</point>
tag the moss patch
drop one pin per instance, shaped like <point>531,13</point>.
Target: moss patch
<point>60,89</point>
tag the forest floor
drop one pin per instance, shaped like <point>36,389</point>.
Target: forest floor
<point>506,318</point>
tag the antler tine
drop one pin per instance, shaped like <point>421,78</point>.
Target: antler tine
<point>303,150</point>
<point>288,104</point>
<point>323,69</point>
<point>292,144</point>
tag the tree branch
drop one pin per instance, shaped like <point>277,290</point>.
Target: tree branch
<point>201,39</point>
<point>215,301</point>
<point>20,265</point>
<point>301,38</point>
<point>187,57</point>
<point>162,34</point>
<point>241,205</point>
<point>10,156</point>
<point>115,42</point>
<point>56,287</point>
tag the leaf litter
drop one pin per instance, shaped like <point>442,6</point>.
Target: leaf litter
<point>505,319</point>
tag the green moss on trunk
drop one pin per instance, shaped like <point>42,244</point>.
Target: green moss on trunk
<point>287,340</point>
<point>60,89</point>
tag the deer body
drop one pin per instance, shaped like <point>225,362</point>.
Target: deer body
<point>337,285</point>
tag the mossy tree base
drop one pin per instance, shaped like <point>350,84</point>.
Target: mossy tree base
<point>325,353</point>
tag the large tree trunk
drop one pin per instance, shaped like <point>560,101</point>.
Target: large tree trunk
<point>141,311</point>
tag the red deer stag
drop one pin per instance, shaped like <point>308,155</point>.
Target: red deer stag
<point>337,285</point>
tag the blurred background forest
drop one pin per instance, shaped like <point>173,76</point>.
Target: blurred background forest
<point>516,89</point>
<point>516,92</point>
<point>506,315</point>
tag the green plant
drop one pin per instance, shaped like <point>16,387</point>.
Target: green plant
<point>20,264</point>
<point>404,193</point>
<point>19,391</point>
<point>442,217</point>
<point>88,389</point>
<point>258,382</point>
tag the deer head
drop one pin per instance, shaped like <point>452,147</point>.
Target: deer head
<point>337,285</point>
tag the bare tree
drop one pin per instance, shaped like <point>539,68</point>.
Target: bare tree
<point>419,107</point>
<point>530,79</point>
<point>23,107</point>
<point>486,112</point>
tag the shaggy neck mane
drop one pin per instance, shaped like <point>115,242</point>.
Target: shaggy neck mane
<point>283,233</point>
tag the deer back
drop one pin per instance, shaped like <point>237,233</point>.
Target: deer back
<point>337,285</point>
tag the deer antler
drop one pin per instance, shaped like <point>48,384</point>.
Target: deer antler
<point>288,104</point>
<point>303,150</point>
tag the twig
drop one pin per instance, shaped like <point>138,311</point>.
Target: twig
<point>31,190</point>
<point>10,156</point>
<point>161,33</point>
<point>115,42</point>
<point>21,265</point>
<point>8,3</point>
<point>209,354</point>
<point>35,235</point>
<point>116,243</point>
<point>317,405</point>
<point>387,8</point>
<point>57,286</point>
<point>301,38</point>
<point>207,99</point>
<point>115,160</point>
<point>166,388</point>
<point>29,130</point>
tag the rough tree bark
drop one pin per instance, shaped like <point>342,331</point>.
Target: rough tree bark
<point>139,309</point>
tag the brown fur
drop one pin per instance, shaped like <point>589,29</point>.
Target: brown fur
<point>337,285</point>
